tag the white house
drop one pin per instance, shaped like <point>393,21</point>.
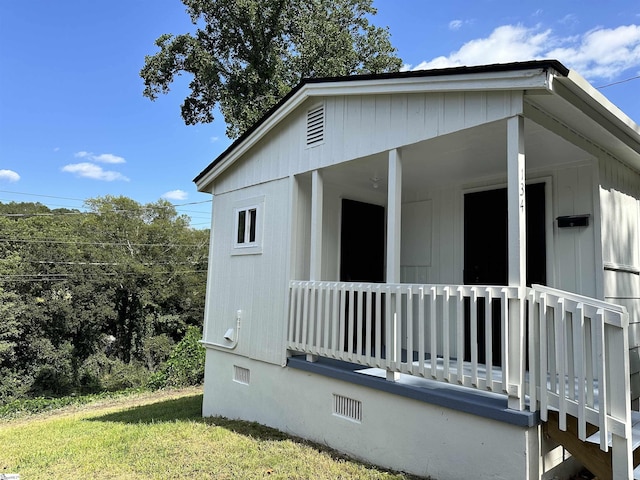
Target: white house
<point>433,271</point>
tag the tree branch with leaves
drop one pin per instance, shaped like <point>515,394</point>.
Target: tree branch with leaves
<point>245,55</point>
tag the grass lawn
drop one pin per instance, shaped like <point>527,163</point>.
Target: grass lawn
<point>162,435</point>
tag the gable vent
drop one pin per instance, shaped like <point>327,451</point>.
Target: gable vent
<point>348,408</point>
<point>315,125</point>
<point>241,375</point>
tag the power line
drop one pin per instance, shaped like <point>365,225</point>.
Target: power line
<point>52,214</point>
<point>619,82</point>
<point>65,276</point>
<point>121,244</point>
<point>41,195</point>
<point>101,264</point>
<point>84,200</point>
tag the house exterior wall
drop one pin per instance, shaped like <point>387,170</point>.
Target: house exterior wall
<point>394,432</point>
<point>620,218</point>
<point>438,256</point>
<point>575,268</point>
<point>362,125</point>
<point>255,284</point>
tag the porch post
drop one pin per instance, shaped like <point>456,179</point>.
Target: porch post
<point>317,197</point>
<point>315,267</point>
<point>394,217</point>
<point>517,251</point>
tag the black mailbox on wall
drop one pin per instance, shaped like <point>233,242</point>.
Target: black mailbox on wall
<point>573,221</point>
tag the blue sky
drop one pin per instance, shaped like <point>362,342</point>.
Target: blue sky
<point>74,123</point>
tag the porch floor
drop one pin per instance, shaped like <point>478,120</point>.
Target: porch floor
<point>475,402</point>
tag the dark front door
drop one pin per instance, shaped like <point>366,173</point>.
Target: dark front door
<point>486,254</point>
<point>362,240</point>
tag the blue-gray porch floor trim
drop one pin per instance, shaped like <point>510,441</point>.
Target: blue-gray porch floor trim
<point>476,402</point>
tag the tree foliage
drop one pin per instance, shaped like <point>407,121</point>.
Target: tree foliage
<point>94,300</point>
<point>245,55</point>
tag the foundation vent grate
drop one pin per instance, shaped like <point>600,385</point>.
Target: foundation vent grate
<point>241,375</point>
<point>315,125</point>
<point>348,408</point>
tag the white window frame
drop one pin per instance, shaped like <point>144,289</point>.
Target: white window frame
<point>243,209</point>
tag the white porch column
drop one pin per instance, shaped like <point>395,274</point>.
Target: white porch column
<point>315,267</point>
<point>394,217</point>
<point>317,200</point>
<point>516,190</point>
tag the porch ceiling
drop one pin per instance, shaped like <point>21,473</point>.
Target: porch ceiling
<point>463,157</point>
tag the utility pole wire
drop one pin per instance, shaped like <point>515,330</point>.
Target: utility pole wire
<point>119,244</point>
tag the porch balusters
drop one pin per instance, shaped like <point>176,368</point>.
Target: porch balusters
<point>414,329</point>
<point>580,367</point>
<point>578,361</point>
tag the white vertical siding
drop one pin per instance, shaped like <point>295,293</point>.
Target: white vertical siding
<point>444,217</point>
<point>575,268</point>
<point>417,240</point>
<point>362,125</point>
<point>620,212</point>
<point>619,193</point>
<point>255,284</point>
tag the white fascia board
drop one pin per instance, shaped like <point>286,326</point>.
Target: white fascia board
<point>590,101</point>
<point>531,79</point>
<point>491,81</point>
<point>298,98</point>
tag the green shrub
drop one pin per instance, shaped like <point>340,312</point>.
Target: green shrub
<point>27,406</point>
<point>185,365</point>
<point>156,350</point>
<point>54,376</point>
<point>13,385</point>
<point>123,376</point>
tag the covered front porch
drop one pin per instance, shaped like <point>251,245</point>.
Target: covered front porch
<point>427,306</point>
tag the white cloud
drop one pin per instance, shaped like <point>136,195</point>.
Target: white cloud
<point>569,19</point>
<point>101,158</point>
<point>214,139</point>
<point>89,170</point>
<point>455,24</point>
<point>507,43</point>
<point>603,52</point>
<point>108,158</point>
<point>599,53</point>
<point>175,195</point>
<point>9,175</point>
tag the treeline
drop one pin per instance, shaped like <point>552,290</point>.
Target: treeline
<point>107,298</point>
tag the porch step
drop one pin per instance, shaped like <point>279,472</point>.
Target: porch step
<point>635,442</point>
<point>635,431</point>
<point>589,453</point>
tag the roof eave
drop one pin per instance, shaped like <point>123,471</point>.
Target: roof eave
<point>517,76</point>
<point>580,93</point>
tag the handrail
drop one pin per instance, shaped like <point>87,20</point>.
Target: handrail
<point>579,366</point>
<point>578,361</point>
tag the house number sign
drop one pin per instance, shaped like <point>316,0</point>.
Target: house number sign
<point>522,189</point>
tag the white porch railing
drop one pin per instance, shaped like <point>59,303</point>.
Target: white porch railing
<point>576,355</point>
<point>579,366</point>
<point>413,329</point>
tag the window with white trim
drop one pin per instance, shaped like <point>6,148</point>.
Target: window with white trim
<point>248,226</point>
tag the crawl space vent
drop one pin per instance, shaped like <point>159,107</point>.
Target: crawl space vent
<point>348,408</point>
<point>315,125</point>
<point>241,375</point>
